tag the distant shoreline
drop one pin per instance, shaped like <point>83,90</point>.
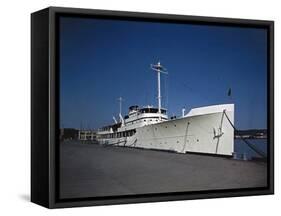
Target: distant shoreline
<point>250,138</point>
<point>251,134</point>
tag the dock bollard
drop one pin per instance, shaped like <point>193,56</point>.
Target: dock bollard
<point>235,155</point>
<point>244,156</point>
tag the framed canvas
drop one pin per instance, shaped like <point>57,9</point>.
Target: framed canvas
<point>139,107</point>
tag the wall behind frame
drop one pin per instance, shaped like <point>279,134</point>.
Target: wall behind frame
<point>15,106</point>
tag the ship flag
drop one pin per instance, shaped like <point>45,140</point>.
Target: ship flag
<point>229,92</point>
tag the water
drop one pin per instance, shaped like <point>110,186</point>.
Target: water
<point>241,147</point>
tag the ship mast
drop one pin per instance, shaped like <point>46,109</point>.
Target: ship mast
<point>159,69</point>
<point>120,99</point>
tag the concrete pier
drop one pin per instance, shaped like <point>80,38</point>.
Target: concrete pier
<point>91,170</point>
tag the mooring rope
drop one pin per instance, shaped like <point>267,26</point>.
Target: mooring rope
<point>133,143</point>
<point>113,144</point>
<point>252,146</point>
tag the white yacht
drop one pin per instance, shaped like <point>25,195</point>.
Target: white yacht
<point>202,130</point>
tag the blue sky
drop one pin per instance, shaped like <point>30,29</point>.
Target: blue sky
<point>101,60</point>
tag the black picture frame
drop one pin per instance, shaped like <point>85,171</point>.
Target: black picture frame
<point>45,106</point>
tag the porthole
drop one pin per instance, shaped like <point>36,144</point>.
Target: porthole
<point>175,125</point>
<point>197,140</point>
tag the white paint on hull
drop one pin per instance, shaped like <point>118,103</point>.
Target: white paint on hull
<point>202,130</point>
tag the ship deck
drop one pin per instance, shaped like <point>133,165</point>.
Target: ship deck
<point>91,170</point>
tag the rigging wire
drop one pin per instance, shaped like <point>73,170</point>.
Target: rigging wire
<point>252,146</point>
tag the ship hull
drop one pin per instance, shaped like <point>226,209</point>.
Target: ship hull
<point>203,130</point>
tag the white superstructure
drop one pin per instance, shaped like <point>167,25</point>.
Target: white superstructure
<point>202,130</point>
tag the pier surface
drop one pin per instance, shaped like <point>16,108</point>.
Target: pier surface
<point>91,170</point>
